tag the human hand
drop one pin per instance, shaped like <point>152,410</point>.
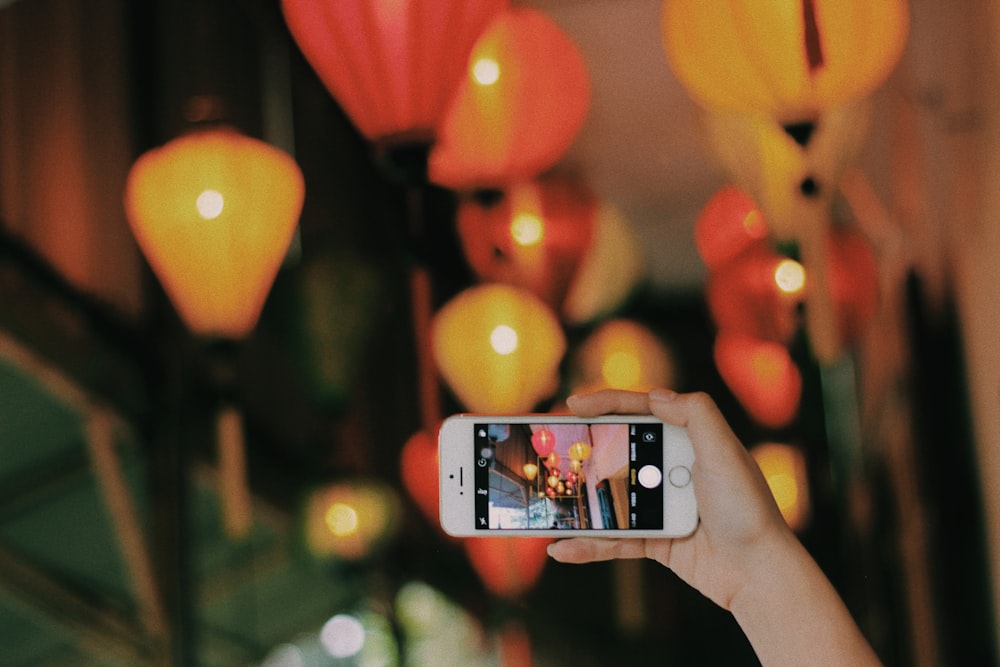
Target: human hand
<point>740,524</point>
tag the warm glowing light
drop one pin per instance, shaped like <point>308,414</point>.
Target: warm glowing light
<point>621,370</point>
<point>503,339</point>
<point>486,71</point>
<point>530,471</point>
<point>784,468</point>
<point>210,204</point>
<point>754,224</point>
<point>342,636</point>
<point>342,519</point>
<point>527,229</point>
<point>790,276</point>
<point>579,451</point>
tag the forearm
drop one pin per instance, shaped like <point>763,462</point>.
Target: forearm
<point>792,615</point>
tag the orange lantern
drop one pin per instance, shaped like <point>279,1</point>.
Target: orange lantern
<point>786,59</point>
<point>532,237</point>
<point>622,354</point>
<point>350,519</point>
<point>729,223</point>
<point>392,66</point>
<point>498,348</point>
<point>758,294</point>
<point>761,375</point>
<point>419,471</point>
<point>214,212</point>
<point>784,468</point>
<point>520,107</point>
<point>853,280</point>
<point>552,463</point>
<point>508,567</point>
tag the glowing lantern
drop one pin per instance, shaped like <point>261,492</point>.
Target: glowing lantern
<point>523,102</point>
<point>579,451</point>
<point>622,354</point>
<point>610,270</point>
<point>757,294</point>
<point>552,462</point>
<point>350,519</point>
<point>507,567</point>
<point>762,376</point>
<point>784,468</point>
<point>785,59</point>
<point>214,212</point>
<point>530,471</point>
<point>419,471</point>
<point>853,281</point>
<point>498,348</point>
<point>543,441</point>
<point>392,66</point>
<point>728,224</point>
<point>532,237</point>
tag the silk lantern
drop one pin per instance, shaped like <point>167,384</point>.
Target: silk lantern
<point>727,225</point>
<point>508,567</point>
<point>519,108</point>
<point>622,354</point>
<point>762,376</point>
<point>784,469</point>
<point>532,235</point>
<point>786,59</point>
<point>420,473</point>
<point>214,212</point>
<point>498,348</point>
<point>543,441</point>
<point>349,520</point>
<point>758,294</point>
<point>392,66</point>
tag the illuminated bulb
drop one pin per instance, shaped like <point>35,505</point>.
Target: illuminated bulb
<point>342,636</point>
<point>209,204</point>
<point>503,339</point>
<point>486,71</point>
<point>526,229</point>
<point>621,370</point>
<point>342,520</point>
<point>790,276</point>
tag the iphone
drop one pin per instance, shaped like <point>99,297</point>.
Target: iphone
<point>611,476</point>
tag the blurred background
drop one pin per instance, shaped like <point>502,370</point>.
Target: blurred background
<point>220,450</point>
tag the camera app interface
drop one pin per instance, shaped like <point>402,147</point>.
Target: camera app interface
<point>570,476</point>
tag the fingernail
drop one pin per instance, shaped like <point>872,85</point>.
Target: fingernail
<point>662,395</point>
<point>570,401</point>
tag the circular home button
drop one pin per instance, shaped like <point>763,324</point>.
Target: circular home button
<point>679,476</point>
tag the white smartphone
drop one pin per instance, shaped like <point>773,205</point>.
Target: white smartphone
<point>533,475</point>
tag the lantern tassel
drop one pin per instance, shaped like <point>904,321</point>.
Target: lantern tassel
<point>234,490</point>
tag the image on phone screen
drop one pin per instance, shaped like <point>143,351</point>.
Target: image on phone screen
<point>569,476</point>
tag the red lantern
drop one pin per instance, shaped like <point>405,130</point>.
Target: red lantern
<point>853,281</point>
<point>419,469</point>
<point>762,376</point>
<point>757,294</point>
<point>214,212</point>
<point>533,237</point>
<point>507,567</point>
<point>730,222</point>
<point>522,104</point>
<point>543,441</point>
<point>392,66</point>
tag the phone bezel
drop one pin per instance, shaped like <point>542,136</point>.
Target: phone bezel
<point>457,485</point>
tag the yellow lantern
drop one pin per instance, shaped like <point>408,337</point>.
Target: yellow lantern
<point>498,348</point>
<point>579,451</point>
<point>784,468</point>
<point>350,519</point>
<point>622,354</point>
<point>214,212</point>
<point>786,59</point>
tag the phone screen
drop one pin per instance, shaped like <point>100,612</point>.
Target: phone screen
<point>606,476</point>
